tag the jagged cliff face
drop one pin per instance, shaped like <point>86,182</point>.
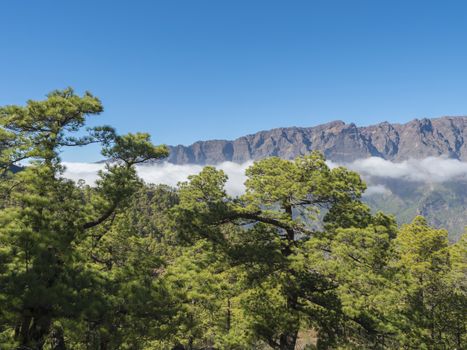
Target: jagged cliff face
<point>338,141</point>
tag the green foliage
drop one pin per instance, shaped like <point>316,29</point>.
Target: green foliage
<point>45,219</point>
<point>126,265</point>
<point>41,128</point>
<point>432,301</point>
<point>281,211</point>
<point>313,256</point>
<point>133,149</point>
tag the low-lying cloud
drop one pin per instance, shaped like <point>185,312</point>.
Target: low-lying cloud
<point>428,170</point>
<point>163,173</point>
<point>376,189</point>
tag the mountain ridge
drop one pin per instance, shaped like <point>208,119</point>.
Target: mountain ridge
<point>339,141</point>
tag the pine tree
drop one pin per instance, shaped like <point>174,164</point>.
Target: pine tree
<point>44,217</point>
<point>279,215</point>
<point>432,297</point>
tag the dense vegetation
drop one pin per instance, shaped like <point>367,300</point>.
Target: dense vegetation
<point>298,261</point>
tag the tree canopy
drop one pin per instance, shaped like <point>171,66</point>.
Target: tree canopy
<point>298,261</point>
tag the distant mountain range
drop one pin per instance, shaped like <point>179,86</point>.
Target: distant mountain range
<point>340,142</point>
<point>444,204</point>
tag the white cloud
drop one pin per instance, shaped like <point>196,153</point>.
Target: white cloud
<point>431,169</point>
<point>376,189</point>
<point>82,171</point>
<point>427,170</point>
<point>163,173</point>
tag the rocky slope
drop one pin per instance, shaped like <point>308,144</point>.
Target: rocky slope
<point>446,136</point>
<point>443,204</point>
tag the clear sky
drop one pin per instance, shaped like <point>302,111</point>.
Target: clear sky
<point>198,69</point>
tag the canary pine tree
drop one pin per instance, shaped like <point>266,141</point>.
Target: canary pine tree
<point>44,217</point>
<point>433,297</point>
<point>286,205</point>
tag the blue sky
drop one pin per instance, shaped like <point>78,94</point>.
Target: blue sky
<point>197,69</point>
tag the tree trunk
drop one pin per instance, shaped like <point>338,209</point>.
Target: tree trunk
<point>23,333</point>
<point>33,331</point>
<point>190,343</point>
<point>229,315</point>
<point>288,339</point>
<point>57,340</point>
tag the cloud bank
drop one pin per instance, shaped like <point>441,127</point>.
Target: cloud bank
<point>428,170</point>
<point>163,173</point>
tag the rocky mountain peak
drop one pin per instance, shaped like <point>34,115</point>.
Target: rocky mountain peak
<point>338,141</point>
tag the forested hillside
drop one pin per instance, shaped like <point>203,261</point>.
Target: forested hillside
<point>298,261</point>
<point>444,205</point>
